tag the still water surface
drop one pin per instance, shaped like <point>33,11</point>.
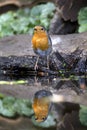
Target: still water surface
<point>77,84</point>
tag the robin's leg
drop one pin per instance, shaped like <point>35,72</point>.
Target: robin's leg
<point>36,66</point>
<point>48,61</point>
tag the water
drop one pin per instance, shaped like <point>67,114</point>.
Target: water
<point>74,85</point>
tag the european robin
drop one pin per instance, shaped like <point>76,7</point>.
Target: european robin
<point>42,44</point>
<point>41,105</point>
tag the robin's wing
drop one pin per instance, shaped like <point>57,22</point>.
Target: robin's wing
<point>50,43</point>
<point>49,39</point>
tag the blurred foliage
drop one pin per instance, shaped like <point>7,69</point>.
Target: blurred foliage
<point>13,82</point>
<point>83,115</point>
<point>23,20</point>
<point>11,107</point>
<point>82,20</point>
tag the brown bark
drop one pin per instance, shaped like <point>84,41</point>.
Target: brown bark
<point>69,8</point>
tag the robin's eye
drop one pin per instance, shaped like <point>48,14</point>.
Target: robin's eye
<point>43,118</point>
<point>35,29</point>
<point>36,118</point>
<point>42,29</point>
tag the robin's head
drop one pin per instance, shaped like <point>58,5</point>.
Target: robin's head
<point>39,29</point>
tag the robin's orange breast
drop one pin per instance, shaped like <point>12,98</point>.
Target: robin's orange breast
<point>41,105</point>
<point>40,41</point>
<point>41,109</point>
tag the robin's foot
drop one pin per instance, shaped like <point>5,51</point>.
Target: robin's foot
<point>48,63</point>
<point>36,66</point>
